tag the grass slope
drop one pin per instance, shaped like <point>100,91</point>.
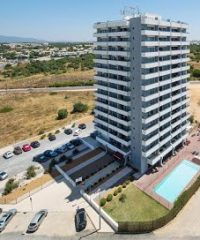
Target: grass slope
<point>137,207</point>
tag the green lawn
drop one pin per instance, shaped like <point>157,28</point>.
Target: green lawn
<point>137,207</point>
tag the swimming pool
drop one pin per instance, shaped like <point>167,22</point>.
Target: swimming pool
<point>175,182</point>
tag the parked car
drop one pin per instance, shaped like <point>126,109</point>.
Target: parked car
<point>80,219</point>
<point>52,137</point>
<point>26,148</point>
<point>76,142</point>
<point>37,220</point>
<point>3,175</point>
<point>17,150</point>
<point>8,154</point>
<point>50,153</point>
<point>6,218</point>
<point>82,126</point>
<point>35,144</point>
<point>60,150</point>
<point>41,158</point>
<point>77,132</point>
<point>70,146</point>
<point>68,131</point>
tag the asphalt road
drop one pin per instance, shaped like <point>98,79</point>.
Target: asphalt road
<point>52,89</point>
<point>59,89</point>
<point>20,163</point>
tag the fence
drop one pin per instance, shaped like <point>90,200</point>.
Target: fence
<point>100,211</point>
<point>28,194</point>
<point>148,226</point>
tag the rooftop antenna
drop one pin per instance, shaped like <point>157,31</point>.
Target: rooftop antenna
<point>130,11</point>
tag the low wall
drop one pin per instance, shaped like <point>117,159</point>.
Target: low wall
<point>65,176</point>
<point>100,211</point>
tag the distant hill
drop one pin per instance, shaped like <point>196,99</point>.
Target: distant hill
<point>14,39</point>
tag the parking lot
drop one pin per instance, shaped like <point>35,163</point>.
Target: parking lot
<point>19,163</point>
<point>61,202</point>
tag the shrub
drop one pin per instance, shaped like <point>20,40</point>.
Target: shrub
<point>6,109</point>
<point>119,189</point>
<point>191,119</point>
<point>57,131</point>
<point>53,93</point>
<point>30,173</point>
<point>62,113</point>
<point>43,136</point>
<point>122,197</point>
<point>109,197</point>
<point>73,125</point>
<point>10,185</point>
<point>102,202</point>
<point>124,185</point>
<point>80,107</point>
<point>41,131</point>
<point>127,182</point>
<point>115,192</point>
<point>66,97</point>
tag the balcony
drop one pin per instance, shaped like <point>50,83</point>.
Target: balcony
<point>113,90</point>
<point>112,53</point>
<point>113,62</point>
<point>111,24</point>
<point>125,143</point>
<point>112,80</point>
<point>150,151</point>
<point>150,108</point>
<point>115,128</point>
<point>113,71</point>
<point>150,86</point>
<point>150,129</point>
<point>150,97</point>
<point>110,146</point>
<point>113,99</point>
<point>113,43</point>
<point>164,131</point>
<point>111,117</point>
<point>114,109</point>
<point>150,140</point>
<point>150,118</point>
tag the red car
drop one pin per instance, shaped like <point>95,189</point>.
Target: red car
<point>26,148</point>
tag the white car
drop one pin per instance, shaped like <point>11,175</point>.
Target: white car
<point>6,218</point>
<point>8,154</point>
<point>77,132</point>
<point>3,175</point>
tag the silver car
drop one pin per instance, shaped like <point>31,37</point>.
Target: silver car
<point>3,175</point>
<point>37,220</point>
<point>6,218</point>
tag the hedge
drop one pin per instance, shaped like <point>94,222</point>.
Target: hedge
<point>148,226</point>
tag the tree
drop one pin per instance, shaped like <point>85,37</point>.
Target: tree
<point>191,119</point>
<point>80,107</point>
<point>62,113</point>
<point>10,185</point>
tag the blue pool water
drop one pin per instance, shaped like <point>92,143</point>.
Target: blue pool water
<point>175,182</point>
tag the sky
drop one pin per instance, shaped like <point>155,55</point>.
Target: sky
<point>72,20</point>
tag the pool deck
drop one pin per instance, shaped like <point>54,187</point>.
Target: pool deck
<point>149,180</point>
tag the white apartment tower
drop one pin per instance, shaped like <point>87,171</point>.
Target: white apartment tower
<point>141,79</point>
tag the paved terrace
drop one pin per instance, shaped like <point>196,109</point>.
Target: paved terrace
<point>152,178</point>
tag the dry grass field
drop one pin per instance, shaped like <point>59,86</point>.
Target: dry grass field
<point>45,81</point>
<point>33,112</point>
<point>195,101</point>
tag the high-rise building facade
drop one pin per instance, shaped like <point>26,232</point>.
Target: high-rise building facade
<point>141,79</point>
